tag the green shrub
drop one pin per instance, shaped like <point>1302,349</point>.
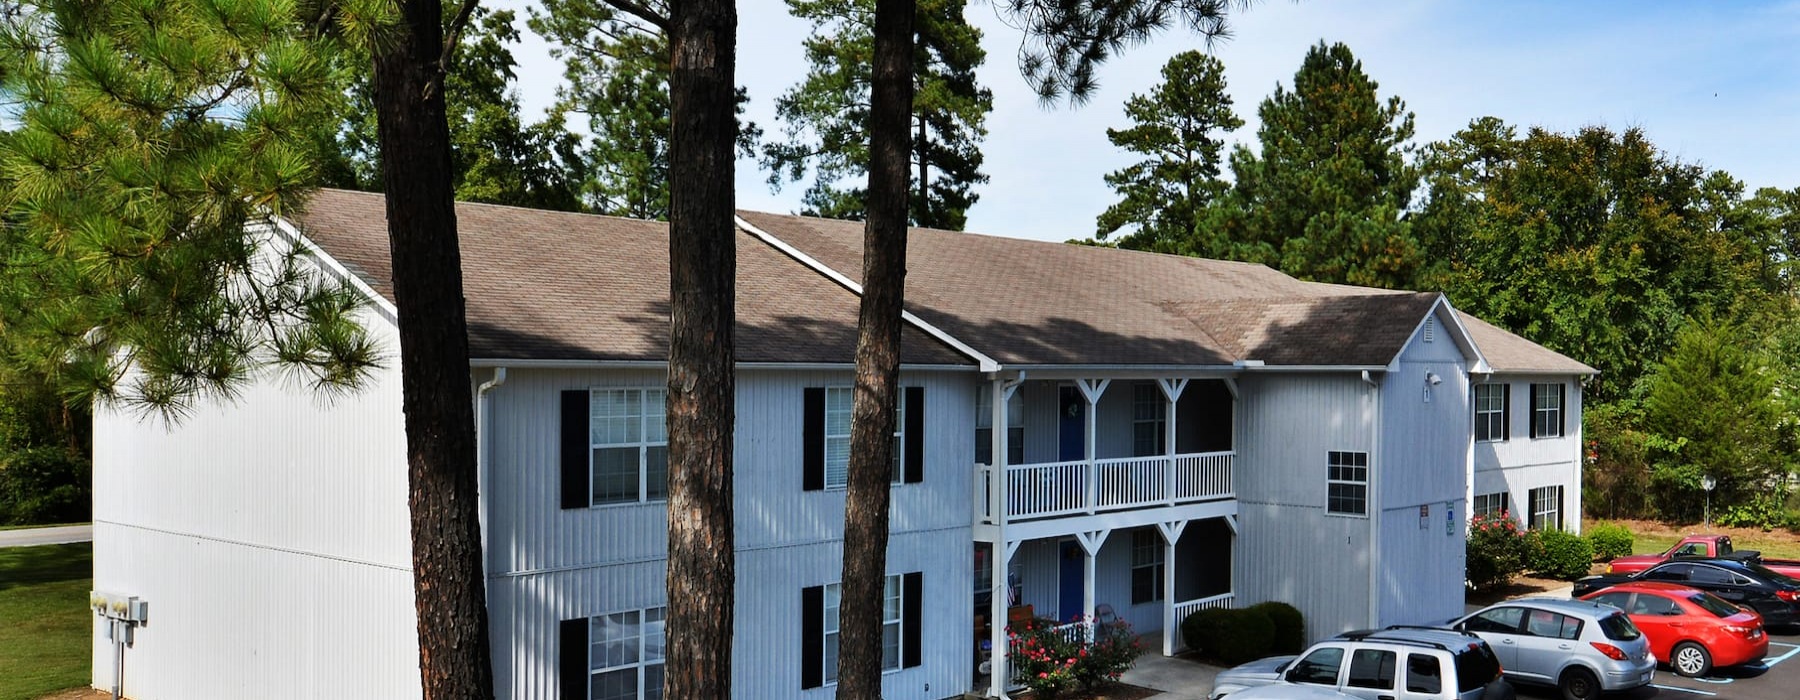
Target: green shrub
<point>1246,635</point>
<point>1114,651</point>
<point>1496,551</point>
<point>1200,630</point>
<point>1290,626</point>
<point>44,485</point>
<point>1609,540</point>
<point>1561,555</point>
<point>1049,660</point>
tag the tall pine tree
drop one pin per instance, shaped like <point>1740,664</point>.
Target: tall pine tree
<point>1324,198</point>
<point>827,114</point>
<point>1166,195</point>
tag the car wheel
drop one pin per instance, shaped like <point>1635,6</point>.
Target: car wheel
<point>1579,684</point>
<point>1690,659</point>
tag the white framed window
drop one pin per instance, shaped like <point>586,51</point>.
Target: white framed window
<point>625,655</point>
<point>1146,566</point>
<point>839,405</point>
<point>1149,420</point>
<point>1489,504</point>
<point>984,427</point>
<point>890,626</point>
<point>1546,410</point>
<point>629,443</point>
<point>1546,508</point>
<point>1490,412</point>
<point>1347,483</point>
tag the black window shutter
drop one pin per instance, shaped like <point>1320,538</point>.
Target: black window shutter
<point>575,474</point>
<point>1562,409</point>
<point>572,652</point>
<point>915,435</point>
<point>813,441</point>
<point>912,604</point>
<point>1559,507</point>
<point>1505,412</point>
<point>1533,412</point>
<point>812,636</point>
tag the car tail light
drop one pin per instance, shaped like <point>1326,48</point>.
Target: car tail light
<point>1610,651</point>
<point>1789,596</point>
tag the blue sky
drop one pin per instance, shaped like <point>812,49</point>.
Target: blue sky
<point>1712,83</point>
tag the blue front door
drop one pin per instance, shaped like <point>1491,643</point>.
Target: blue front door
<point>1071,427</point>
<point>1069,600</point>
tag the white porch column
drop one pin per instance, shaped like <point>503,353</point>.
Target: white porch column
<point>1171,533</point>
<point>1171,390</point>
<point>1091,541</point>
<point>1091,390</point>
<point>998,668</point>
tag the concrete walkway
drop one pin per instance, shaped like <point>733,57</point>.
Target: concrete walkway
<point>1179,679</point>
<point>46,535</point>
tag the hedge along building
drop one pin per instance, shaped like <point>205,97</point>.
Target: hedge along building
<point>1082,431</point>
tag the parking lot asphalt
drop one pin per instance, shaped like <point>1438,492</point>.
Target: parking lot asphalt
<point>1776,678</point>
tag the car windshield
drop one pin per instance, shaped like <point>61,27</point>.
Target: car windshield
<point>1714,604</point>
<point>1771,575</point>
<point>1475,666</point>
<point>1618,627</point>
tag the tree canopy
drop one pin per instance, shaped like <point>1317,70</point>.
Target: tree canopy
<point>1166,195</point>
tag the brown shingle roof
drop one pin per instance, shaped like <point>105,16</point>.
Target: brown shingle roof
<point>1506,352</point>
<point>559,286</point>
<point>1363,329</point>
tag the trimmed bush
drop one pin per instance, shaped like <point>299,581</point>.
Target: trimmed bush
<point>1496,551</point>
<point>1290,626</point>
<point>1609,540</point>
<point>1200,630</point>
<point>1246,635</point>
<point>1561,555</point>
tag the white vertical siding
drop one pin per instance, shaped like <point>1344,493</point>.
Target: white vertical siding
<point>1521,462</point>
<point>1288,548</point>
<point>549,564</point>
<point>270,537</point>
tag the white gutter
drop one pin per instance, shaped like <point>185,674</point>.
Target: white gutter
<point>987,364</point>
<point>483,436</point>
<point>1374,500</point>
<point>481,362</point>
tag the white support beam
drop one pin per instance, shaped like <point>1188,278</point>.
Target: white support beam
<point>998,603</point>
<point>1092,389</point>
<point>1012,546</point>
<point>1231,522</point>
<point>1087,591</point>
<point>1168,606</point>
<point>1231,386</point>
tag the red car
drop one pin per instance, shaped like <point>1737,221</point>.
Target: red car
<point>1691,629</point>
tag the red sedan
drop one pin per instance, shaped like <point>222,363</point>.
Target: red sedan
<point>1691,629</point>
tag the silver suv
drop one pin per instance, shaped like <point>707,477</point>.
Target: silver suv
<point>1580,647</point>
<point>1391,664</point>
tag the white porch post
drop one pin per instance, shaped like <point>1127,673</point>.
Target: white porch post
<point>1091,542</point>
<point>998,604</point>
<point>1171,533</point>
<point>1171,389</point>
<point>1091,389</point>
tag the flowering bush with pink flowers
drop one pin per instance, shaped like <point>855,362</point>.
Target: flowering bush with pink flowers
<point>1050,659</point>
<point>1497,549</point>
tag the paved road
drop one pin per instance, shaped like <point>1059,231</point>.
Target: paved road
<point>46,535</point>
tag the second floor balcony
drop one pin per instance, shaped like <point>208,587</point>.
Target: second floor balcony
<point>1029,491</point>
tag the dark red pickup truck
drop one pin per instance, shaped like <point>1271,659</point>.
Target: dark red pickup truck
<point>1698,546</point>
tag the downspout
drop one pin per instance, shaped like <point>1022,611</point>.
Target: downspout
<point>1374,504</point>
<point>483,432</point>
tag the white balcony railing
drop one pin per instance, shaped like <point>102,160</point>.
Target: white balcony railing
<point>1070,488</point>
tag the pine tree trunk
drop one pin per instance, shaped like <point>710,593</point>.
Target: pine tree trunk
<point>434,359</point>
<point>702,382</point>
<point>877,355</point>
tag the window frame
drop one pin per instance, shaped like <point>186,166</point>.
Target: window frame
<point>984,427</point>
<point>1542,516</point>
<point>897,473</point>
<point>1149,414</point>
<point>1491,424</point>
<point>1546,410</point>
<point>1478,508</point>
<point>1340,466</point>
<point>646,418</point>
<point>643,663</point>
<point>1147,556</point>
<point>893,606</point>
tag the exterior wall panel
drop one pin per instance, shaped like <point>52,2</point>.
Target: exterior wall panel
<point>1522,463</point>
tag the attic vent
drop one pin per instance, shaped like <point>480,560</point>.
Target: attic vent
<point>1430,329</point>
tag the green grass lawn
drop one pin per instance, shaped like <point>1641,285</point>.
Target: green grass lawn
<point>45,624</point>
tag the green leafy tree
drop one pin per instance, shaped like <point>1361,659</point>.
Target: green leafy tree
<point>1165,196</point>
<point>1716,393</point>
<point>1595,243</point>
<point>496,157</point>
<point>1324,198</point>
<point>827,113</point>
